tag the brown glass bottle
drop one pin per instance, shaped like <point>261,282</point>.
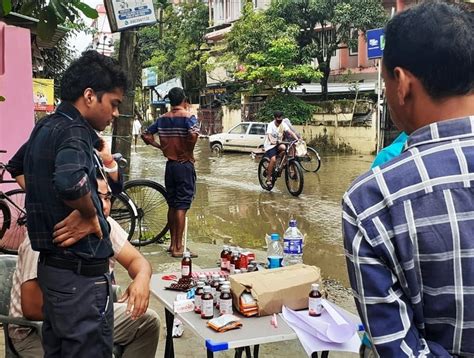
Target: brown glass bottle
<point>225,258</point>
<point>225,301</point>
<point>207,303</point>
<point>234,262</point>
<point>197,297</point>
<point>186,265</point>
<point>214,286</point>
<point>315,306</point>
<point>218,292</point>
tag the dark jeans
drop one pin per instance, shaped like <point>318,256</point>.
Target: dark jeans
<point>78,313</point>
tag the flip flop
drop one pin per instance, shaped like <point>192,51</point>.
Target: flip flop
<point>193,255</point>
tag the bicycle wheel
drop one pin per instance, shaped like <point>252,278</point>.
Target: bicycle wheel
<point>311,162</point>
<point>262,173</point>
<point>123,213</point>
<point>4,218</point>
<point>294,177</point>
<point>16,231</point>
<point>149,198</point>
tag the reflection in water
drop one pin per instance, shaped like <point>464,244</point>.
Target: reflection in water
<point>230,206</point>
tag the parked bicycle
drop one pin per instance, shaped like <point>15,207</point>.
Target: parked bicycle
<point>294,177</point>
<point>12,216</point>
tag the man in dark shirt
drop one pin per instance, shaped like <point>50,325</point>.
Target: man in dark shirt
<point>178,132</point>
<point>61,198</point>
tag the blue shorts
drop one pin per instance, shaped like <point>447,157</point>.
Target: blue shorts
<point>271,152</point>
<point>180,183</point>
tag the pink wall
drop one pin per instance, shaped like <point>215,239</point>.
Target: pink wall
<point>16,85</point>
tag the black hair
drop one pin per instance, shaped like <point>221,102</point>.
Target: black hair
<point>434,41</point>
<point>176,96</point>
<point>277,114</point>
<point>92,70</point>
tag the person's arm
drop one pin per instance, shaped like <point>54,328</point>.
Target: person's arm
<point>108,161</point>
<point>15,166</point>
<point>149,138</point>
<point>72,184</point>
<point>288,130</point>
<point>385,310</point>
<point>270,137</point>
<point>138,268</point>
<point>32,300</point>
<point>192,125</point>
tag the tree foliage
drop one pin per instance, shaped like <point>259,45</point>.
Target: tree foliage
<point>50,13</point>
<point>326,25</point>
<point>173,46</point>
<point>266,51</point>
<point>292,107</point>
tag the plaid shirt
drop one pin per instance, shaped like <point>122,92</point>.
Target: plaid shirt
<point>409,240</point>
<point>59,165</point>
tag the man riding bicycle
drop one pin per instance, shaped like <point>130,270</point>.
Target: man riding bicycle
<point>275,132</point>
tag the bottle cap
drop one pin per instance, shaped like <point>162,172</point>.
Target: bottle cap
<point>187,254</point>
<point>202,277</point>
<point>315,287</point>
<point>275,237</point>
<point>221,279</point>
<point>207,289</point>
<point>226,247</point>
<point>215,276</point>
<point>201,284</point>
<point>226,283</point>
<point>237,272</point>
<point>293,223</point>
<point>225,288</point>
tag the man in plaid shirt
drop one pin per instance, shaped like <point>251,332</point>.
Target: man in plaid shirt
<point>409,223</point>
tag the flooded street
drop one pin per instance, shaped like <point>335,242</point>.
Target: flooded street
<point>231,208</point>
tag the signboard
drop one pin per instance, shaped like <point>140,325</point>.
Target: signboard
<point>43,94</point>
<point>125,14</point>
<point>375,43</point>
<point>149,77</point>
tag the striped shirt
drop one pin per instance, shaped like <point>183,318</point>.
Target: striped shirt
<point>409,243</point>
<point>175,130</point>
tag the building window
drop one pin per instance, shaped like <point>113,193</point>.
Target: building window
<point>354,43</point>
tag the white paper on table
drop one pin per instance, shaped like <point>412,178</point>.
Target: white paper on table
<point>317,333</point>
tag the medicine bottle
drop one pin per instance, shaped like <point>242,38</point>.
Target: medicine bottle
<point>186,265</point>
<point>315,305</point>
<point>197,297</point>
<point>225,301</point>
<point>207,303</point>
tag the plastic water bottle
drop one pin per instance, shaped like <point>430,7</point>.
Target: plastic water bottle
<point>292,245</point>
<point>274,252</point>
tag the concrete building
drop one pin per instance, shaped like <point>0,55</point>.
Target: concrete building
<point>103,39</point>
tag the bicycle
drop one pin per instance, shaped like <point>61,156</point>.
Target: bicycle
<point>141,209</point>
<point>294,177</point>
<point>12,216</point>
<point>311,161</point>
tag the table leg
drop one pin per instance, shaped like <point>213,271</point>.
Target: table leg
<point>256,348</point>
<point>169,347</point>
<point>238,352</point>
<point>210,354</point>
<point>324,354</point>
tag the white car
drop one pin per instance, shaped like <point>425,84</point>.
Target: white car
<point>244,137</point>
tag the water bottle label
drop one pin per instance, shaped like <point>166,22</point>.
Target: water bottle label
<point>274,261</point>
<point>293,246</point>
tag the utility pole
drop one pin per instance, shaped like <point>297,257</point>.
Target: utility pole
<point>122,132</point>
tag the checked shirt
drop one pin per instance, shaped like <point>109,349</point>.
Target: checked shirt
<point>409,243</point>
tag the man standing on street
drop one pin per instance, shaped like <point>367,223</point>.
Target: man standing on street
<point>409,223</point>
<point>178,132</point>
<point>61,183</point>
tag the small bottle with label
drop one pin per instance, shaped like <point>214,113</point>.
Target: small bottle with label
<point>214,285</point>
<point>234,262</point>
<point>225,301</point>
<point>225,258</point>
<point>197,297</point>
<point>218,293</point>
<point>186,265</point>
<point>229,257</point>
<point>207,303</point>
<point>315,305</point>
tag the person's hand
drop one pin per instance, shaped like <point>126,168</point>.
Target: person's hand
<point>148,138</point>
<point>104,152</point>
<point>138,295</point>
<point>74,227</point>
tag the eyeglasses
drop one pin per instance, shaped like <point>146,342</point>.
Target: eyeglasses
<point>105,196</point>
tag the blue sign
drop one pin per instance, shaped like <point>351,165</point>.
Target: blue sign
<point>375,43</point>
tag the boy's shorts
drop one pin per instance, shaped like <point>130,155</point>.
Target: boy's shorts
<point>180,183</point>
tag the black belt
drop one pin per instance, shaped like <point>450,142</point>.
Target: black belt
<point>79,266</point>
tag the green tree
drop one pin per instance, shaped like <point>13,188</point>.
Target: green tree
<point>266,52</point>
<point>173,46</point>
<point>292,107</point>
<point>51,13</point>
<point>326,26</point>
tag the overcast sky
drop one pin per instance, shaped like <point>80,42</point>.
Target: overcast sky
<point>82,40</point>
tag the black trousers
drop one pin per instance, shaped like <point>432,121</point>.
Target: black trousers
<point>78,313</point>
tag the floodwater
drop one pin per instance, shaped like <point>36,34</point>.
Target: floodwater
<point>230,207</point>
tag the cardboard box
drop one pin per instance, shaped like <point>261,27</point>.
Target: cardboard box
<point>289,286</point>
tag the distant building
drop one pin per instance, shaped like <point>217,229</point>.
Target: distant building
<point>103,39</point>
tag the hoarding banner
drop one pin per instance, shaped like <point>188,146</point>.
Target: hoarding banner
<point>43,94</point>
